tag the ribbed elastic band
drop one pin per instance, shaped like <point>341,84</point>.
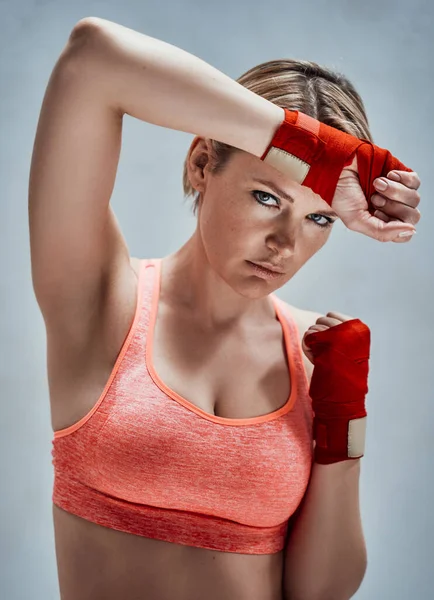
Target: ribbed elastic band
<point>180,527</point>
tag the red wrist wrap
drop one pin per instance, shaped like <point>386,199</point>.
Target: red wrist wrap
<point>314,154</point>
<point>338,388</point>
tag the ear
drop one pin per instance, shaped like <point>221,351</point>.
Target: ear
<point>198,160</point>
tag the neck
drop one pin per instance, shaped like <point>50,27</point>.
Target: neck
<point>190,283</point>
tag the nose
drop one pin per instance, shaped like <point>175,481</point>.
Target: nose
<point>283,240</point>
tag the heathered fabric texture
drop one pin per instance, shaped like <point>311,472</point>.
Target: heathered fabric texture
<point>146,461</point>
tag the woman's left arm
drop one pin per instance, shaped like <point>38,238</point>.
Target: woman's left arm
<point>325,556</point>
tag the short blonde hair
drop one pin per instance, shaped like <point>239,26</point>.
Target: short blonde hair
<point>300,85</point>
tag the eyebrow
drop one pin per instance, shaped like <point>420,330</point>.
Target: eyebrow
<point>280,192</point>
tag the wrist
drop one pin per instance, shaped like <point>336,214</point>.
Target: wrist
<point>342,467</point>
<point>339,439</point>
<point>352,164</point>
<point>273,119</point>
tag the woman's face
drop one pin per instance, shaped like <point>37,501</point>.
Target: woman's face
<point>241,218</point>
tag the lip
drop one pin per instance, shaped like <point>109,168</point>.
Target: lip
<point>268,266</point>
<point>264,272</point>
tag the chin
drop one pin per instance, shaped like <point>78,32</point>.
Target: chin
<point>256,288</point>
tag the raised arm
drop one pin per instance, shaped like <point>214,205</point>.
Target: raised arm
<point>161,84</point>
<point>106,70</point>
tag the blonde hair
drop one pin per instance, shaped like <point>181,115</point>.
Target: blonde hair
<point>300,85</point>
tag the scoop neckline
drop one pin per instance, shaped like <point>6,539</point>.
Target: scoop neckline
<point>289,404</point>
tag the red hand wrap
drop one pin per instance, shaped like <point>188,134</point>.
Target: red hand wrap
<point>314,154</point>
<point>338,388</point>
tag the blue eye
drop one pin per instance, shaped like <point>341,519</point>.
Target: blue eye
<point>265,194</point>
<point>328,220</point>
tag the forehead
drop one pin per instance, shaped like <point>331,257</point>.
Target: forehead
<point>250,168</point>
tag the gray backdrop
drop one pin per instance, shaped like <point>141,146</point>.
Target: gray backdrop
<point>386,49</point>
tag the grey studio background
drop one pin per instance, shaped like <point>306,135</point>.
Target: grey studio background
<point>386,49</point>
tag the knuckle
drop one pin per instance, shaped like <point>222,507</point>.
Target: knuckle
<point>413,216</point>
<point>414,179</point>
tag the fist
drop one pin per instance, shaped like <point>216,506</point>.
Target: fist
<point>398,199</point>
<point>321,324</point>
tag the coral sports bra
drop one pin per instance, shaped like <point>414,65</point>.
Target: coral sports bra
<point>146,461</point>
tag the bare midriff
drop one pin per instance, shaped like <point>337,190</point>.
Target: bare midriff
<point>97,563</point>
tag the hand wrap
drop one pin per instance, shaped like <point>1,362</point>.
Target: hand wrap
<point>314,154</point>
<point>338,388</point>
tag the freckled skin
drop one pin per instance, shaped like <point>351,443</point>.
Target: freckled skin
<point>234,227</point>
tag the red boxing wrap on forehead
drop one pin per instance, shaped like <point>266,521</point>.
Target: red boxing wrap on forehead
<point>314,154</point>
<point>338,388</point>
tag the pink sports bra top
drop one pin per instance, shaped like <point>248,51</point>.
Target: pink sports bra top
<point>146,461</point>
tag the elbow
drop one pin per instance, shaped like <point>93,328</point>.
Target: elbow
<point>82,44</point>
<point>345,589</point>
<point>84,34</point>
<point>342,587</point>
<point>328,595</point>
<point>84,27</point>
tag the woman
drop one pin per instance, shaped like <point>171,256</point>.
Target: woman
<point>179,392</point>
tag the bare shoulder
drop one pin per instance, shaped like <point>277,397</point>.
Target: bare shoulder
<point>304,319</point>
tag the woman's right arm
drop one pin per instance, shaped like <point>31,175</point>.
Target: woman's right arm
<point>164,85</point>
<point>106,70</point>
